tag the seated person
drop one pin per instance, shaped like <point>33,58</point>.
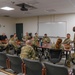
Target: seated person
<point>46,38</point>
<point>30,36</point>
<point>13,41</point>
<point>35,40</point>
<point>67,42</point>
<point>4,38</point>
<point>58,44</point>
<point>4,46</point>
<point>26,37</point>
<point>27,51</point>
<point>15,37</point>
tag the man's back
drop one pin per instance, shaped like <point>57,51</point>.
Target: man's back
<point>27,52</point>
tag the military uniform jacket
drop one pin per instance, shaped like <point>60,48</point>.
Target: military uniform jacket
<point>35,42</point>
<point>25,38</point>
<point>27,52</point>
<point>67,41</point>
<point>46,39</point>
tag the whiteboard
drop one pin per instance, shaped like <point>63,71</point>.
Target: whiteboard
<point>53,29</point>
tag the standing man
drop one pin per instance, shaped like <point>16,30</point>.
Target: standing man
<point>13,41</point>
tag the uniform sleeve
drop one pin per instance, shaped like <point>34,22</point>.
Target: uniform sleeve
<point>33,53</point>
<point>23,38</point>
<point>48,40</point>
<point>52,46</point>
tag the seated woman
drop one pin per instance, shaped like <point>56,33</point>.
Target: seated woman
<point>58,44</point>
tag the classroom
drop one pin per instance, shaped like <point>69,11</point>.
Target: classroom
<point>36,24</point>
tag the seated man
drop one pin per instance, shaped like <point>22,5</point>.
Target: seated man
<point>4,38</point>
<point>27,51</point>
<point>35,40</point>
<point>13,41</point>
<point>4,46</point>
<point>67,42</point>
<point>26,37</point>
<point>46,38</point>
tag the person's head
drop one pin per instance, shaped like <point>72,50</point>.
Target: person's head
<point>27,34</point>
<point>58,43</point>
<point>68,35</point>
<point>28,42</point>
<point>15,35</point>
<point>45,35</point>
<point>36,34</point>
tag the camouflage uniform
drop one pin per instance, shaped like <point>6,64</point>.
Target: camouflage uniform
<point>46,39</point>
<point>27,52</point>
<point>67,46</point>
<point>36,40</point>
<point>4,46</point>
<point>54,47</point>
<point>25,38</point>
<point>13,42</point>
<point>67,41</point>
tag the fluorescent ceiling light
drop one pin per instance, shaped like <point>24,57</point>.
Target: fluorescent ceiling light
<point>7,8</point>
<point>60,22</point>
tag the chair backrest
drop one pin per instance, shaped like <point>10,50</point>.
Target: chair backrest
<point>3,59</point>
<point>53,69</point>
<point>33,67</point>
<point>55,55</point>
<point>15,63</point>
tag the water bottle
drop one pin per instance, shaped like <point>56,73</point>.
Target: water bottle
<point>40,42</point>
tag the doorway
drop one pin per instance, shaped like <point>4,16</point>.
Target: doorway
<point>19,30</point>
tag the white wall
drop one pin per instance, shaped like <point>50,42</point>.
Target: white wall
<point>31,23</point>
<point>70,20</point>
<point>7,26</point>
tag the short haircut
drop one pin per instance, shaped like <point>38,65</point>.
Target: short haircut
<point>45,34</point>
<point>35,33</point>
<point>68,33</point>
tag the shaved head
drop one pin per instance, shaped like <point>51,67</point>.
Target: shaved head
<point>28,42</point>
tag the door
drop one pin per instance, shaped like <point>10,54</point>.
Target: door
<point>19,30</point>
